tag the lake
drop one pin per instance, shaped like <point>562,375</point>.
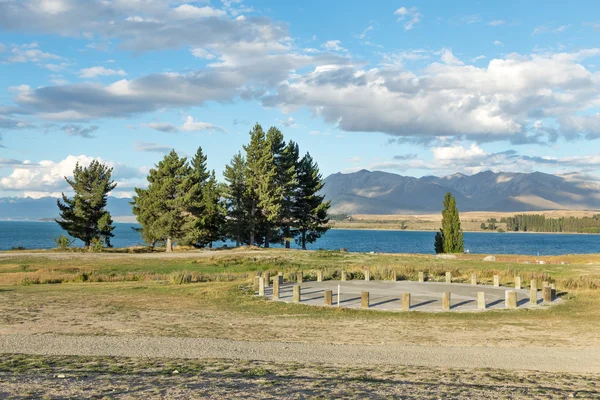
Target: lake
<point>38,235</point>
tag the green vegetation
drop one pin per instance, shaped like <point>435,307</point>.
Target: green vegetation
<point>84,216</point>
<point>450,237</point>
<point>539,223</point>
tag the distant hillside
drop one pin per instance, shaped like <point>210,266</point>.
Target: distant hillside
<point>16,208</point>
<point>366,192</point>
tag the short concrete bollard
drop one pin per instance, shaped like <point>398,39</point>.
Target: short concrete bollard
<point>267,276</point>
<point>553,290</point>
<point>448,277</point>
<point>394,276</point>
<point>497,280</point>
<point>481,301</point>
<point>518,282</point>
<point>261,286</point>
<point>421,277</point>
<point>367,275</point>
<point>275,289</point>
<point>297,294</point>
<point>328,296</point>
<point>256,279</point>
<point>533,291</point>
<point>406,301</point>
<point>511,299</point>
<point>473,279</point>
<point>339,295</point>
<point>547,294</point>
<point>280,278</point>
<point>364,299</point>
<point>299,277</point>
<point>446,301</point>
<point>319,276</point>
<point>344,276</point>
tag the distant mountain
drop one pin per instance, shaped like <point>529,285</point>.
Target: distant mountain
<point>17,208</point>
<point>366,192</point>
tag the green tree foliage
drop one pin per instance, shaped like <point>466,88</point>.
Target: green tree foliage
<point>85,216</point>
<point>539,223</point>
<point>255,168</point>
<point>212,220</point>
<point>310,208</point>
<point>161,209</point>
<point>450,235</point>
<point>236,201</point>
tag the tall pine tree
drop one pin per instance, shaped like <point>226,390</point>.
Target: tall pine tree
<point>256,161</point>
<point>310,208</point>
<point>236,200</point>
<point>192,200</point>
<point>450,237</point>
<point>85,216</point>
<point>161,209</point>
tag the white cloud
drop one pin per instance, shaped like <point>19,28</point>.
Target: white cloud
<point>190,125</point>
<point>455,153</point>
<point>162,126</point>
<point>480,57</point>
<point>364,33</point>
<point>202,53</point>
<point>498,43</point>
<point>497,22</point>
<point>28,53</point>
<point>546,29</point>
<point>185,11</point>
<point>449,58</point>
<point>151,147</point>
<point>94,72</point>
<point>410,17</point>
<point>333,45</point>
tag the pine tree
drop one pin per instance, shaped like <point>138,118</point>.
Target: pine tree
<point>85,216</point>
<point>289,184</point>
<point>255,170</point>
<point>212,219</point>
<point>161,209</point>
<point>450,234</point>
<point>310,209</point>
<point>270,189</point>
<point>192,200</point>
<point>236,202</point>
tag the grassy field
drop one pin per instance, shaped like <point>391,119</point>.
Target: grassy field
<point>141,295</point>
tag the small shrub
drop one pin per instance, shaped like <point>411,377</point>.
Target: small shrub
<point>30,280</point>
<point>97,245</point>
<point>63,242</point>
<point>180,277</point>
<point>17,248</point>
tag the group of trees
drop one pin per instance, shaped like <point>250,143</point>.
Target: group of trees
<point>450,237</point>
<point>491,225</point>
<point>539,223</point>
<point>270,195</point>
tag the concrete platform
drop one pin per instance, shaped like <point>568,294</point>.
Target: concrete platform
<point>387,295</point>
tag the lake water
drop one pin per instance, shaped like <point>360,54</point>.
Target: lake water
<point>38,235</point>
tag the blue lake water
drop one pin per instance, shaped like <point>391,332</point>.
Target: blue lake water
<point>38,235</point>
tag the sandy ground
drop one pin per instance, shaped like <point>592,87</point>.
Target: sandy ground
<point>586,360</point>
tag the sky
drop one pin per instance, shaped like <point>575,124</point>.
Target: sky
<point>415,88</point>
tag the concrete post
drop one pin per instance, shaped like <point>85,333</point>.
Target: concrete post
<point>297,295</point>
<point>299,277</point>
<point>344,276</point>
<point>364,299</point>
<point>280,278</point>
<point>421,277</point>
<point>533,292</point>
<point>446,301</point>
<point>339,294</point>
<point>367,275</point>
<point>328,295</point>
<point>261,286</point>
<point>511,299</point>
<point>267,276</point>
<point>394,276</point>
<point>405,301</point>
<point>547,294</point>
<point>275,289</point>
<point>553,290</point>
<point>256,279</point>
<point>448,277</point>
<point>481,301</point>
<point>497,280</point>
<point>319,276</point>
<point>473,279</point>
<point>518,282</point>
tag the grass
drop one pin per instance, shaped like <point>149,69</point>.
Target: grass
<point>210,295</point>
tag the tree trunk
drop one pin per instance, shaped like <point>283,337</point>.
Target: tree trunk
<point>287,243</point>
<point>169,244</point>
<point>210,245</point>
<point>303,239</point>
<point>252,216</point>
<point>267,235</point>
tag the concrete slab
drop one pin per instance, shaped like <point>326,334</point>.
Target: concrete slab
<point>387,295</point>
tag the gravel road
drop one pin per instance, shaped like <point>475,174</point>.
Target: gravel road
<point>571,360</point>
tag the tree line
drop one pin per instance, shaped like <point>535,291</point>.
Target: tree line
<point>270,195</point>
<point>539,223</point>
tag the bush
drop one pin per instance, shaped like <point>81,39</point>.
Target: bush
<point>180,277</point>
<point>63,242</point>
<point>500,230</point>
<point>97,245</point>
<point>17,248</point>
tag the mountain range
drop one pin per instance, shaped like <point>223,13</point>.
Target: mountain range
<point>375,192</point>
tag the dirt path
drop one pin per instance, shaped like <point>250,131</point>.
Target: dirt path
<point>572,360</point>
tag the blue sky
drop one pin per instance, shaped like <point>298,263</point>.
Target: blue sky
<point>418,88</point>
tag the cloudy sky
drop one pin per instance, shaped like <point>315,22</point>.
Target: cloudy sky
<point>418,88</point>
